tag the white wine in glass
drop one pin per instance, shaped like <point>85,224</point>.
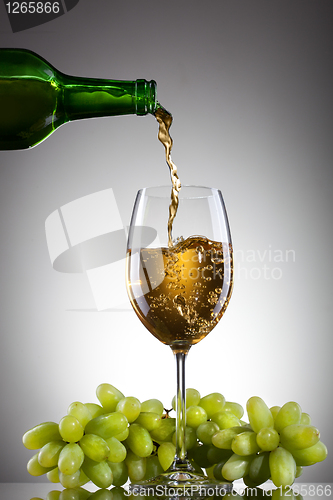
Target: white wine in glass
<point>179,289</point>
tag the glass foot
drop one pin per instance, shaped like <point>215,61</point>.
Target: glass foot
<point>179,484</point>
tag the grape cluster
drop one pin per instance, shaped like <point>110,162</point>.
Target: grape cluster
<point>121,439</point>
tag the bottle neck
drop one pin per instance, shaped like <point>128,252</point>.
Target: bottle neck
<point>88,98</point>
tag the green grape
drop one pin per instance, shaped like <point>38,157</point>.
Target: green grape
<point>255,492</point>
<point>195,415</point>
<point>245,444</point>
<point>216,455</point>
<point>259,471</point>
<point>95,447</point>
<point>212,403</point>
<point>149,420</point>
<point>165,431</point>
<point>120,473</point>
<point>259,414</point>
<point>119,493</point>
<point>98,472</point>
<point>70,429</point>
<point>139,441</point>
<point>206,431</point>
<point>94,409</point>
<point>166,454</point>
<point>130,407</point>
<point>40,435</point>
<point>190,438</point>
<point>275,410</point>
<point>53,475</point>
<point>136,466</point>
<point>102,494</point>
<point>217,470</point>
<point>285,493</point>
<point>298,436</point>
<point>74,494</point>
<point>35,469</point>
<point>70,494</point>
<point>248,482</point>
<point>268,439</point>
<point>236,467</point>
<point>117,451</point>
<point>53,495</point>
<point>200,455</point>
<point>192,398</point>
<point>289,414</point>
<point>153,467</point>
<point>80,411</point>
<point>195,466</point>
<point>70,459</point>
<point>152,405</point>
<point>299,470</point>
<point>73,480</point>
<point>107,425</point>
<point>122,435</point>
<point>226,419</point>
<point>282,466</point>
<point>234,408</point>
<point>224,437</point>
<point>210,472</point>
<point>310,456</point>
<point>119,440</point>
<point>49,453</point>
<point>305,419</point>
<point>109,397</point>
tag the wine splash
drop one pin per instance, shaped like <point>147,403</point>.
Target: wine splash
<point>184,290</point>
<point>164,119</point>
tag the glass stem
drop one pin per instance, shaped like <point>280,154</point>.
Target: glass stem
<point>180,458</point>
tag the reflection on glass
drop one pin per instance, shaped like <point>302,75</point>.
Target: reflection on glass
<point>239,493</point>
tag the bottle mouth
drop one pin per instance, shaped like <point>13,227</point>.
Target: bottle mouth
<point>145,97</point>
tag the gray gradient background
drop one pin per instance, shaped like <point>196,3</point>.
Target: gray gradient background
<point>249,83</point>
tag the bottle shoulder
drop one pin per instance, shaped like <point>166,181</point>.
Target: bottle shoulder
<point>23,63</point>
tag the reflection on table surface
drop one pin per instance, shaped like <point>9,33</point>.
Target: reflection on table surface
<point>47,491</point>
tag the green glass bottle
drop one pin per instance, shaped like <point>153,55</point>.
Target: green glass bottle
<point>35,98</point>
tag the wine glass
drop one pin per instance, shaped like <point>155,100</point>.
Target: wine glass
<point>179,288</point>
